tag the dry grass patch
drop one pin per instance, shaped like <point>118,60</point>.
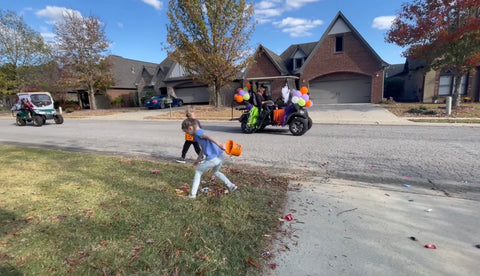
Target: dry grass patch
<point>465,110</point>
<point>204,112</point>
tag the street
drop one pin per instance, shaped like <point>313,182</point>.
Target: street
<point>367,188</point>
<point>438,157</point>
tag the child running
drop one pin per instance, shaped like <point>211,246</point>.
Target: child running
<point>189,139</point>
<point>213,152</point>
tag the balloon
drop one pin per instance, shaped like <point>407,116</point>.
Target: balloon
<point>249,86</point>
<point>238,89</point>
<point>297,93</point>
<point>308,103</point>
<point>246,97</point>
<point>301,102</point>
<point>295,99</point>
<point>245,88</point>
<point>305,97</point>
<point>304,90</point>
<point>238,98</point>
<point>241,92</point>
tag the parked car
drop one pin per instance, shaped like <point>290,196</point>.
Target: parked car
<point>162,101</point>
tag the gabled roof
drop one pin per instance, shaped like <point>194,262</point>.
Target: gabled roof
<point>340,16</point>
<point>307,48</point>
<point>276,60</point>
<point>394,70</point>
<point>125,71</point>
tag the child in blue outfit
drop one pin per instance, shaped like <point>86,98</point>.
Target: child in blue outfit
<point>213,152</point>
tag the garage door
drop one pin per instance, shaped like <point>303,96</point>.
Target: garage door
<point>193,94</point>
<point>341,91</point>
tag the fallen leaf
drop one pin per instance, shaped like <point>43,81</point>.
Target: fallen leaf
<point>252,262</point>
<point>272,266</point>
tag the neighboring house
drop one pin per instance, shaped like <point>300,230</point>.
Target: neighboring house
<point>126,73</point>
<point>171,78</point>
<point>434,85</point>
<point>340,68</point>
<point>402,83</point>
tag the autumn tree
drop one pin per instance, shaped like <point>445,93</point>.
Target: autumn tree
<point>22,51</point>
<point>209,38</point>
<point>82,47</point>
<point>446,34</point>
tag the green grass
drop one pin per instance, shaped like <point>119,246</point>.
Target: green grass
<point>84,214</point>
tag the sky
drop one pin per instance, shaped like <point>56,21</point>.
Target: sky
<point>137,28</point>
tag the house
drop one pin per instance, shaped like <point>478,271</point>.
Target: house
<point>340,68</point>
<point>124,91</point>
<point>433,85</point>
<point>171,78</point>
<point>126,74</point>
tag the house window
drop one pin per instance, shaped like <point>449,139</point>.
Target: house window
<point>297,63</point>
<point>446,84</point>
<point>338,44</point>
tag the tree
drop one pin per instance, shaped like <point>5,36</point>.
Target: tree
<point>209,38</point>
<point>82,46</point>
<point>22,50</point>
<point>446,34</point>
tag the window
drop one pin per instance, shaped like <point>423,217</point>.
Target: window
<point>297,63</point>
<point>338,44</point>
<point>446,84</point>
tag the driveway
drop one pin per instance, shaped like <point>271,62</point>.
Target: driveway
<point>362,113</point>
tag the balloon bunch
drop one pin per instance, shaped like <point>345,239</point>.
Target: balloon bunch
<point>241,95</point>
<point>301,97</point>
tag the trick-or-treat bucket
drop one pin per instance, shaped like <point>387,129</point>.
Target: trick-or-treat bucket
<point>232,148</point>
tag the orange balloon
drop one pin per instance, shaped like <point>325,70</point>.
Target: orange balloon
<point>304,90</point>
<point>308,103</point>
<point>248,86</point>
<point>238,98</point>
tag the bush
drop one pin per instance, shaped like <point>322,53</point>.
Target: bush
<point>117,102</point>
<point>422,110</point>
<point>69,110</point>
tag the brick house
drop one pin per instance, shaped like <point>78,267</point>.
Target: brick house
<point>340,68</point>
<point>434,85</point>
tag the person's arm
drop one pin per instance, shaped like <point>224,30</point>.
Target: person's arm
<point>205,136</point>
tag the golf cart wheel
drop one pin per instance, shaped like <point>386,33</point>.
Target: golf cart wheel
<point>21,121</point>
<point>37,121</point>
<point>246,128</point>
<point>298,126</point>
<point>180,103</point>
<point>58,119</point>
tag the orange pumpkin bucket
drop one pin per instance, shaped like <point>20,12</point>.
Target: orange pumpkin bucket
<point>232,148</point>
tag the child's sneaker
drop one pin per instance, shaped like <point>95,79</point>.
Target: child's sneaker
<point>233,188</point>
<point>182,161</point>
<point>192,197</point>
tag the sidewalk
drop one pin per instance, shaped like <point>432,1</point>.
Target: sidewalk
<point>351,228</point>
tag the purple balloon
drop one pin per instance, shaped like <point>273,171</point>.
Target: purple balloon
<point>297,94</point>
<point>305,97</point>
<point>241,93</point>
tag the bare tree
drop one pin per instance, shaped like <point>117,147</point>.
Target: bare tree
<point>209,38</point>
<point>82,47</point>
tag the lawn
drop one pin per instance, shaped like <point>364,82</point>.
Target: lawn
<point>74,213</point>
<point>422,112</point>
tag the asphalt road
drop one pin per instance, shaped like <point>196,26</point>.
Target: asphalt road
<point>368,188</point>
<point>438,157</point>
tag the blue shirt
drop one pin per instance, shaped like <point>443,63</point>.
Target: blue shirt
<point>210,149</point>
